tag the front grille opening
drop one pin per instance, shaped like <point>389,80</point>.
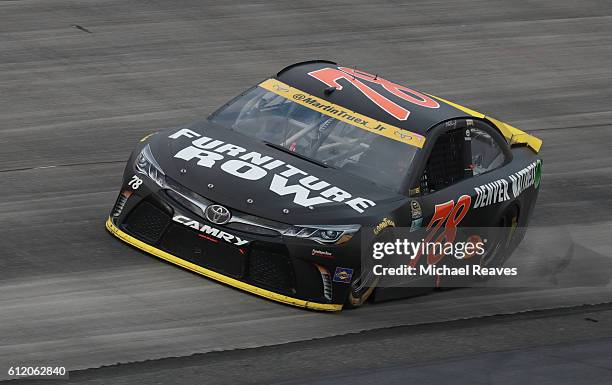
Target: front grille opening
<point>203,250</point>
<point>147,222</point>
<point>271,269</point>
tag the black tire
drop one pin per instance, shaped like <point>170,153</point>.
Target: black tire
<point>361,290</point>
<point>364,281</point>
<point>500,251</point>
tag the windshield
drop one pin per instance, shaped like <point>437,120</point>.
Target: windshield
<point>269,117</point>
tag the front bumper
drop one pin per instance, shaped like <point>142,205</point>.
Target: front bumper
<point>215,275</point>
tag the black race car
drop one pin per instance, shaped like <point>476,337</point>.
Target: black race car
<point>272,192</point>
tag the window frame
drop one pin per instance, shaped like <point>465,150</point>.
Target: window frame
<point>422,156</point>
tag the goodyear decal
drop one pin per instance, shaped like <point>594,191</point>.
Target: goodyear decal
<point>343,114</point>
<point>386,222</point>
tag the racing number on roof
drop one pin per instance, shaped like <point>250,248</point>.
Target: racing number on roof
<point>330,77</point>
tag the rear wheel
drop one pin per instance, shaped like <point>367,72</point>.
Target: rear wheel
<point>500,250</point>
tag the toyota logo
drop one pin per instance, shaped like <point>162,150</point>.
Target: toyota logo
<point>217,214</point>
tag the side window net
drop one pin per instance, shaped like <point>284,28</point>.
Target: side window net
<point>448,162</point>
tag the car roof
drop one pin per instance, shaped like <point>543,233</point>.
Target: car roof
<point>419,120</point>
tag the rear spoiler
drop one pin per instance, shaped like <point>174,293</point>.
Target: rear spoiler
<point>516,137</point>
<point>513,135</point>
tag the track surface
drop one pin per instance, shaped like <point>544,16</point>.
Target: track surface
<point>569,346</point>
<point>73,103</point>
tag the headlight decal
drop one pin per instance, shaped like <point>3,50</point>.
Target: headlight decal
<point>326,234</point>
<point>147,165</point>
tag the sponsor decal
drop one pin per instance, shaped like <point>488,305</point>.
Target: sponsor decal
<point>386,222</point>
<point>286,180</point>
<point>525,178</point>
<point>345,115</point>
<point>343,275</point>
<point>538,174</point>
<point>416,209</point>
<point>281,87</point>
<point>207,230</point>
<point>414,191</point>
<point>416,224</point>
<point>322,253</point>
<point>403,135</point>
<point>331,76</point>
<point>491,193</point>
<point>504,189</point>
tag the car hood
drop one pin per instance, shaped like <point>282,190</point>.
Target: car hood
<point>234,179</point>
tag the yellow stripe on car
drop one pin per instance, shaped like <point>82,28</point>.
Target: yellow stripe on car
<point>512,134</point>
<point>343,114</point>
<point>216,276</point>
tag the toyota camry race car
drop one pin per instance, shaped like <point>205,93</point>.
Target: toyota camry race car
<point>273,192</point>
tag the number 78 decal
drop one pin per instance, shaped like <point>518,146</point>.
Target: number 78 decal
<point>330,77</point>
<point>448,215</point>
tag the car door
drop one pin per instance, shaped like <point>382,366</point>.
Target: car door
<point>445,182</point>
<point>461,154</point>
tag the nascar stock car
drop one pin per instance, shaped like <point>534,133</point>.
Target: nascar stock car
<point>271,193</point>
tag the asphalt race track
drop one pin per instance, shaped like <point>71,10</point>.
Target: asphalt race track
<point>82,81</point>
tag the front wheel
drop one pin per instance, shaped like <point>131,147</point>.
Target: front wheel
<point>361,288</point>
<point>365,281</point>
